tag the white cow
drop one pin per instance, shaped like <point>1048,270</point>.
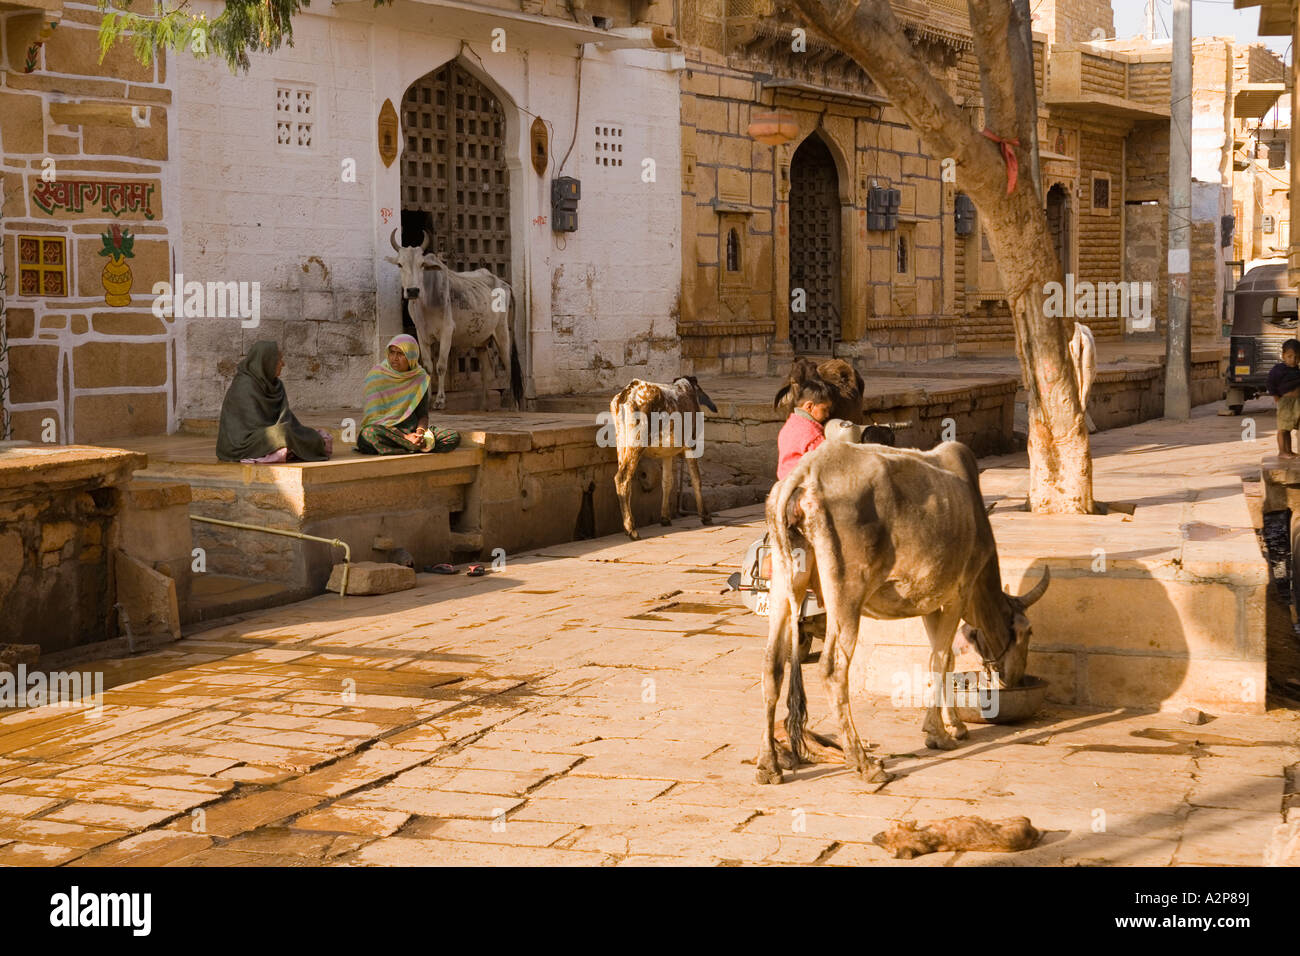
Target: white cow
<point>460,309</point>
<point>1083,352</point>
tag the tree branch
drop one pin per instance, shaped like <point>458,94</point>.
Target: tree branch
<point>868,31</point>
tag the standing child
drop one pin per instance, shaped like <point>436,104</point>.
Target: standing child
<point>804,430</point>
<point>1284,385</point>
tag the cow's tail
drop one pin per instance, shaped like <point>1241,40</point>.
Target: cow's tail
<point>516,370</point>
<point>516,376</point>
<point>796,700</point>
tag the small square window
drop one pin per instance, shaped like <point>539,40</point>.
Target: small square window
<point>294,116</point>
<point>608,145</point>
<point>733,250</point>
<point>1101,204</point>
<point>43,266</point>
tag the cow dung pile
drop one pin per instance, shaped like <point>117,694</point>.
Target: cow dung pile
<point>906,840</point>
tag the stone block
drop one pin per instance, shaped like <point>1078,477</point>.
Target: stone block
<point>11,561</point>
<point>127,323</point>
<point>109,364</point>
<point>11,655</point>
<point>24,130</point>
<point>148,598</point>
<point>145,143</point>
<point>21,324</point>
<point>99,417</point>
<point>33,373</point>
<point>372,577</point>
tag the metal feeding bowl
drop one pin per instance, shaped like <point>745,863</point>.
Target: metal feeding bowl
<point>1005,705</point>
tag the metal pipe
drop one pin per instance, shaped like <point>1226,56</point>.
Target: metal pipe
<point>347,551</point>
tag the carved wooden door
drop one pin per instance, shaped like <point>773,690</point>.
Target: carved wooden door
<point>454,179</point>
<point>814,249</point>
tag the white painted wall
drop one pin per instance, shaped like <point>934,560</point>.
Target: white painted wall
<point>599,304</point>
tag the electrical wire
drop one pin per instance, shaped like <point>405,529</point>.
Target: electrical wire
<point>577,110</point>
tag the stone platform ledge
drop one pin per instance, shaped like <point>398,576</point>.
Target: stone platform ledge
<point>492,431</point>
<point>26,468</point>
<point>1171,621</point>
<point>518,481</point>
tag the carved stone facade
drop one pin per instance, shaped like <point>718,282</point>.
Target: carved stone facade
<point>763,226</point>
<point>914,290</point>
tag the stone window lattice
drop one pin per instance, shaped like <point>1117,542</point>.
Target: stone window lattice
<point>295,116</point>
<point>42,265</point>
<point>609,144</point>
<point>1101,200</point>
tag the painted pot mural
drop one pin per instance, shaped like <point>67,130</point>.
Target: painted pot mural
<point>117,278</point>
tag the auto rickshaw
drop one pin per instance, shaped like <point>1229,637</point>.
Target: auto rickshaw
<point>1264,315</point>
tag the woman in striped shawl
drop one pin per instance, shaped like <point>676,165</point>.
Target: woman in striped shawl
<point>396,418</point>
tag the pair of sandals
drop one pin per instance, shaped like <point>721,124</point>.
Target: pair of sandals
<point>473,571</point>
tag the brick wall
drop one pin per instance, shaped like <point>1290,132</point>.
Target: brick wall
<point>732,182</point>
<point>1256,63</point>
<point>1073,20</point>
<point>1100,237</point>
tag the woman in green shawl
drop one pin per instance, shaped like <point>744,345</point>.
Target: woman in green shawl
<point>396,417</point>
<point>256,424</point>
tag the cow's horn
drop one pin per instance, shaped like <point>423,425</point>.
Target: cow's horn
<point>1033,594</point>
<point>428,241</point>
<point>392,241</point>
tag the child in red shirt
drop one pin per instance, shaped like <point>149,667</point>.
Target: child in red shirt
<point>804,429</point>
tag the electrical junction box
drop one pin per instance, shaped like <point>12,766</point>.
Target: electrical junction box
<point>565,193</point>
<point>882,208</point>
<point>964,214</point>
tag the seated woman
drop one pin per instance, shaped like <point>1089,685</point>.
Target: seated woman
<point>396,418</point>
<point>256,424</point>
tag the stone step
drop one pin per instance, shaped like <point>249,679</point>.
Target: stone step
<point>220,595</point>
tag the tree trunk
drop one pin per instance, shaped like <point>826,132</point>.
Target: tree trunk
<point>1060,459</point>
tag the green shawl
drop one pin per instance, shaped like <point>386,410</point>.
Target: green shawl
<point>255,416</point>
<point>392,396</point>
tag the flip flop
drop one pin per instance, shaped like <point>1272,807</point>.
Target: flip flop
<point>441,569</point>
<point>475,571</point>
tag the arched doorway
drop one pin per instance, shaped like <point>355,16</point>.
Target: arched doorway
<point>454,180</point>
<point>814,248</point>
<point>1058,223</point>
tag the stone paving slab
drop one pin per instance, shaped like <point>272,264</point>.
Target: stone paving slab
<point>599,704</point>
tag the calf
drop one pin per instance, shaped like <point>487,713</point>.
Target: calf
<point>662,421</point>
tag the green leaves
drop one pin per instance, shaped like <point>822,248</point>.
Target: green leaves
<point>122,245</point>
<point>244,27</point>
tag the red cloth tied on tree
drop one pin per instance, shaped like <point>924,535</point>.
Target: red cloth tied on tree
<point>1008,156</point>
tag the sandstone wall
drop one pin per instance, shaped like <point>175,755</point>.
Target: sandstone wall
<point>81,367</point>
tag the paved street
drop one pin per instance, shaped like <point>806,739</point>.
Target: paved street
<point>595,703</point>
